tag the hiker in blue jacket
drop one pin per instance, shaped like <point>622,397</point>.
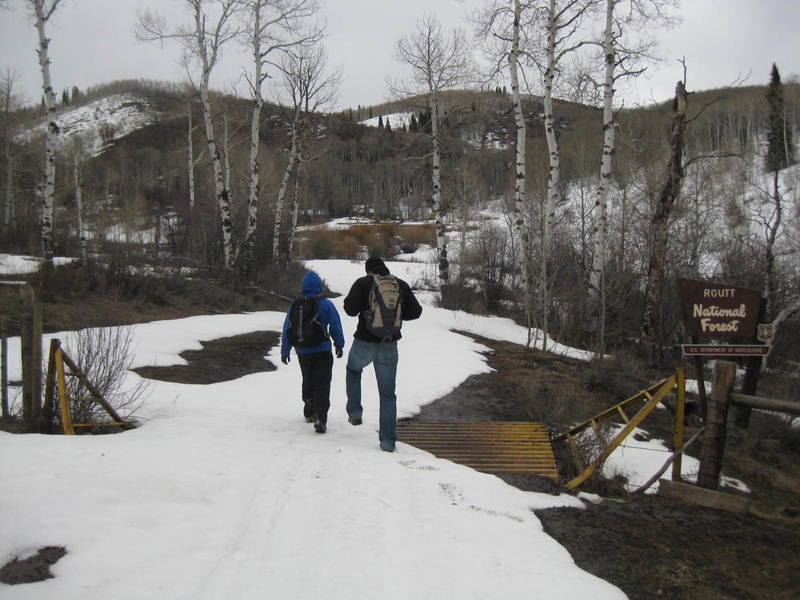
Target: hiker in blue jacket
<point>314,356</point>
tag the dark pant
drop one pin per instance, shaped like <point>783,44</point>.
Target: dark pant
<point>317,368</point>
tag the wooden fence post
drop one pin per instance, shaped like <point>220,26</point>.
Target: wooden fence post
<point>4,370</point>
<point>31,342</point>
<point>752,373</point>
<point>680,414</point>
<point>716,421</point>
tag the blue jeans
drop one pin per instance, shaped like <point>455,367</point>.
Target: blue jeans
<point>383,357</point>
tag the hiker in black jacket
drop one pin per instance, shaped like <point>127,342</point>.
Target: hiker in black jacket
<point>381,302</point>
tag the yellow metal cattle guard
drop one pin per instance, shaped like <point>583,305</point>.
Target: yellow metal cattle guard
<point>492,447</point>
<point>650,397</point>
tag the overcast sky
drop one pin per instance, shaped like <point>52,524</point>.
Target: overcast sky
<point>93,43</point>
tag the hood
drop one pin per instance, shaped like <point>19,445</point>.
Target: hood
<point>312,284</point>
<point>376,265</point>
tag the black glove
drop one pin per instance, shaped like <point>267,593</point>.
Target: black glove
<point>339,352</point>
<point>285,359</point>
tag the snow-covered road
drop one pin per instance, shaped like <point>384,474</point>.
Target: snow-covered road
<point>225,492</point>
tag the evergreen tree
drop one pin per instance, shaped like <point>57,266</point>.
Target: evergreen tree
<point>388,125</point>
<point>380,122</point>
<point>76,93</point>
<point>780,149</point>
<point>412,125</point>
<point>65,98</point>
<point>424,121</point>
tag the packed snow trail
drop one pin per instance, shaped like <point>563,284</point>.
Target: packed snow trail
<point>225,492</point>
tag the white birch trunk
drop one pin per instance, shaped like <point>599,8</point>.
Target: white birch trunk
<point>254,176</point>
<point>555,164</point>
<point>519,182</point>
<point>253,185</point>
<point>49,179</point>
<point>221,190</point>
<point>287,174</point>
<point>226,153</point>
<point>82,236</point>
<point>600,225</point>
<point>295,212</point>
<point>191,162</point>
<point>436,196</point>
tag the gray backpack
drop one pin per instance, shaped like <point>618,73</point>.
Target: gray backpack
<point>384,316</point>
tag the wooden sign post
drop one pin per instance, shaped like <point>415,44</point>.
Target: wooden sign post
<point>716,425</point>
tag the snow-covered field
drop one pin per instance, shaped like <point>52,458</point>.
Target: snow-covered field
<point>225,492</point>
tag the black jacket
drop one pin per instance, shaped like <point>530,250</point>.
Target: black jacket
<point>357,301</point>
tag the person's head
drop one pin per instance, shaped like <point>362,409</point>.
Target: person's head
<point>375,266</point>
<point>312,284</point>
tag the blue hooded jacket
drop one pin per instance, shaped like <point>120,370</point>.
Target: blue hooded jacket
<point>328,318</point>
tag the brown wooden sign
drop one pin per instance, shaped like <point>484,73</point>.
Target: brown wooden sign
<point>716,310</point>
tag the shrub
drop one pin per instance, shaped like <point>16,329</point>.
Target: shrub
<point>105,355</point>
<point>322,244</point>
<point>411,237</point>
<point>454,296</point>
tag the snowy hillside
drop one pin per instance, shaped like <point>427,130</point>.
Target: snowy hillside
<point>395,120</point>
<point>98,122</point>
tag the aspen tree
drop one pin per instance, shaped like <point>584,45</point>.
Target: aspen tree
<point>83,236</point>
<point>438,61</point>
<point>213,26</point>
<point>624,50</point>
<point>562,22</point>
<point>309,86</point>
<point>43,10</point>
<point>505,27</point>
<point>272,28</point>
<point>190,150</point>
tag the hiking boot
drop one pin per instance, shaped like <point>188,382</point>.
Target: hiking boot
<point>354,420</point>
<point>320,427</point>
<point>387,445</point>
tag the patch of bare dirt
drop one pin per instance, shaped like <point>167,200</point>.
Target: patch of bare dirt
<point>31,569</point>
<point>222,359</point>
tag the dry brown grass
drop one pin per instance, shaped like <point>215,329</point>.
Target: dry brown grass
<point>380,239</point>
